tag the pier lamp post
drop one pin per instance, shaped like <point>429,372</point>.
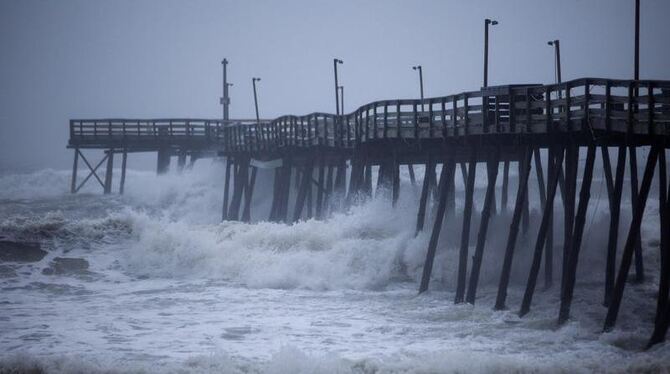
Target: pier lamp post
<point>557,58</point>
<point>341,88</point>
<point>337,94</point>
<point>418,67</point>
<point>225,100</point>
<point>487,22</point>
<point>253,81</point>
<point>637,40</point>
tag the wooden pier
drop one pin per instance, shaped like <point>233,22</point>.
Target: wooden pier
<point>332,159</point>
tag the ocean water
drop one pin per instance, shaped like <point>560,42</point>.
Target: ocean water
<point>152,281</point>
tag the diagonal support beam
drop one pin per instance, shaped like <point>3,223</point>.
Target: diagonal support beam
<point>92,171</point>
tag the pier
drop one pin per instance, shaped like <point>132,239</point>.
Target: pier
<point>326,162</point>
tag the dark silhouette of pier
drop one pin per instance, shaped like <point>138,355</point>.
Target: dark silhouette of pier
<point>326,162</point>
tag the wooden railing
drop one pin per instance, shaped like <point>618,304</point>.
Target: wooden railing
<point>639,107</point>
<point>587,104</point>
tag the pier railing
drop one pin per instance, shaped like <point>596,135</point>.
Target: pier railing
<point>587,104</point>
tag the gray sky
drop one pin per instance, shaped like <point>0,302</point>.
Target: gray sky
<point>76,59</point>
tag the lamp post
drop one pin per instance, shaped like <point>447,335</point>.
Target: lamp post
<point>557,58</point>
<point>420,69</point>
<point>253,81</point>
<point>225,100</point>
<point>341,88</point>
<point>637,40</point>
<point>487,22</point>
<point>337,95</point>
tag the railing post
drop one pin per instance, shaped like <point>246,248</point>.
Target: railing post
<point>466,109</point>
<point>549,114</point>
<point>386,119</point>
<point>454,114</point>
<point>608,105</point>
<point>399,124</point>
<point>496,120</point>
<point>528,111</point>
<point>512,113</point>
<point>443,105</point>
<point>416,121</point>
<point>430,119</point>
<point>631,114</point>
<point>485,114</point>
<point>650,106</point>
<point>587,99</point>
<point>568,109</point>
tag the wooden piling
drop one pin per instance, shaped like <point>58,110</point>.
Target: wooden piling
<point>451,191</point>
<point>163,161</point>
<point>505,187</point>
<point>226,186</point>
<point>241,180</point>
<point>305,184</point>
<point>248,193</point>
<point>109,172</point>
<point>514,230</point>
<point>639,264</point>
<point>465,232</point>
<point>633,233</point>
<point>662,319</point>
<point>430,165</point>
<point>278,197</point>
<point>321,190</point>
<point>181,160</point>
<point>285,191</point>
<point>556,159</point>
<point>75,166</point>
<point>552,170</point>
<point>328,191</point>
<point>489,202</point>
<point>580,221</point>
<point>412,177</point>
<point>395,186</point>
<point>437,226</point>
<point>525,215</point>
<point>571,160</point>
<point>124,161</point>
<point>613,237</point>
<point>368,178</point>
<point>664,276</point>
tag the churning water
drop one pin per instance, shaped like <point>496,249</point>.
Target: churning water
<point>153,282</point>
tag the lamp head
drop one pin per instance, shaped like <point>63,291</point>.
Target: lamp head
<point>256,79</point>
<point>225,61</point>
<point>490,22</point>
<point>338,61</point>
<point>418,67</point>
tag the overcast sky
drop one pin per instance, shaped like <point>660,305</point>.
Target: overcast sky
<point>76,59</point>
